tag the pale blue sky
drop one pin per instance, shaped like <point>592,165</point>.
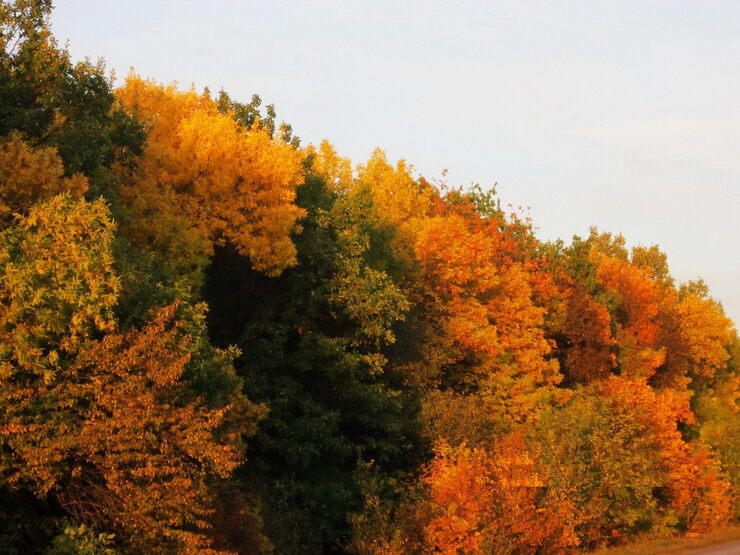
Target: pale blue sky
<point>624,115</point>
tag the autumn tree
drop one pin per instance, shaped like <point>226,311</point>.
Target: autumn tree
<point>717,408</point>
<point>489,329</point>
<point>51,103</point>
<point>204,180</point>
<point>98,422</point>
<point>587,344</point>
<point>696,335</point>
<point>618,446</point>
<point>488,499</point>
<point>430,377</point>
<point>28,175</point>
<point>479,299</point>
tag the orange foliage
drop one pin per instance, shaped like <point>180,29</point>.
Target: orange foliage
<point>487,314</point>
<point>490,501</point>
<point>124,449</point>
<point>481,292</point>
<point>144,457</point>
<point>694,489</point>
<point>639,305</point>
<point>105,422</point>
<point>28,175</point>
<point>587,354</point>
<point>106,425</point>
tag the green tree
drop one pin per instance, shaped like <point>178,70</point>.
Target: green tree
<point>313,341</point>
<point>52,102</point>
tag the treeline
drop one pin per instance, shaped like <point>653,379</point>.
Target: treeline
<point>213,339</point>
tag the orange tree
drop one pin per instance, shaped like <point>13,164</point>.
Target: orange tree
<point>96,422</point>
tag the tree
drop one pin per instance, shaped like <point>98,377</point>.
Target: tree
<point>49,102</point>
<point>489,333</point>
<point>696,335</point>
<point>28,175</point>
<point>203,180</point>
<point>314,340</point>
<point>488,499</point>
<point>99,422</point>
<point>617,446</point>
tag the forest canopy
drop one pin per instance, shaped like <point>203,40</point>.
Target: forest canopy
<point>216,340</point>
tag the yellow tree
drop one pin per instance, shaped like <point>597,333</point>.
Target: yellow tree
<point>335,169</point>
<point>696,334</point>
<point>400,201</point>
<point>204,180</point>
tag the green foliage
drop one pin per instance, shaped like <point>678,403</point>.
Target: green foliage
<point>486,202</point>
<point>249,113</point>
<point>313,351</point>
<point>81,540</point>
<point>609,465</point>
<point>53,102</point>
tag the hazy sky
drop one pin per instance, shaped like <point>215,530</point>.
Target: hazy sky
<point>624,115</point>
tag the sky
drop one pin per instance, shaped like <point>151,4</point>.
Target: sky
<point>624,115</point>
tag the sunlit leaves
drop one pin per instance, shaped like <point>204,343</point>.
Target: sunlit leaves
<point>101,421</point>
<point>483,500</point>
<point>29,175</point>
<point>416,348</point>
<point>204,180</point>
<point>58,284</point>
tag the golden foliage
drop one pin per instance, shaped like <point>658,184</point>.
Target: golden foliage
<point>697,336</point>
<point>143,456</point>
<point>335,169</point>
<point>397,196</point>
<point>58,284</point>
<point>29,175</point>
<point>204,180</point>
<point>486,314</point>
